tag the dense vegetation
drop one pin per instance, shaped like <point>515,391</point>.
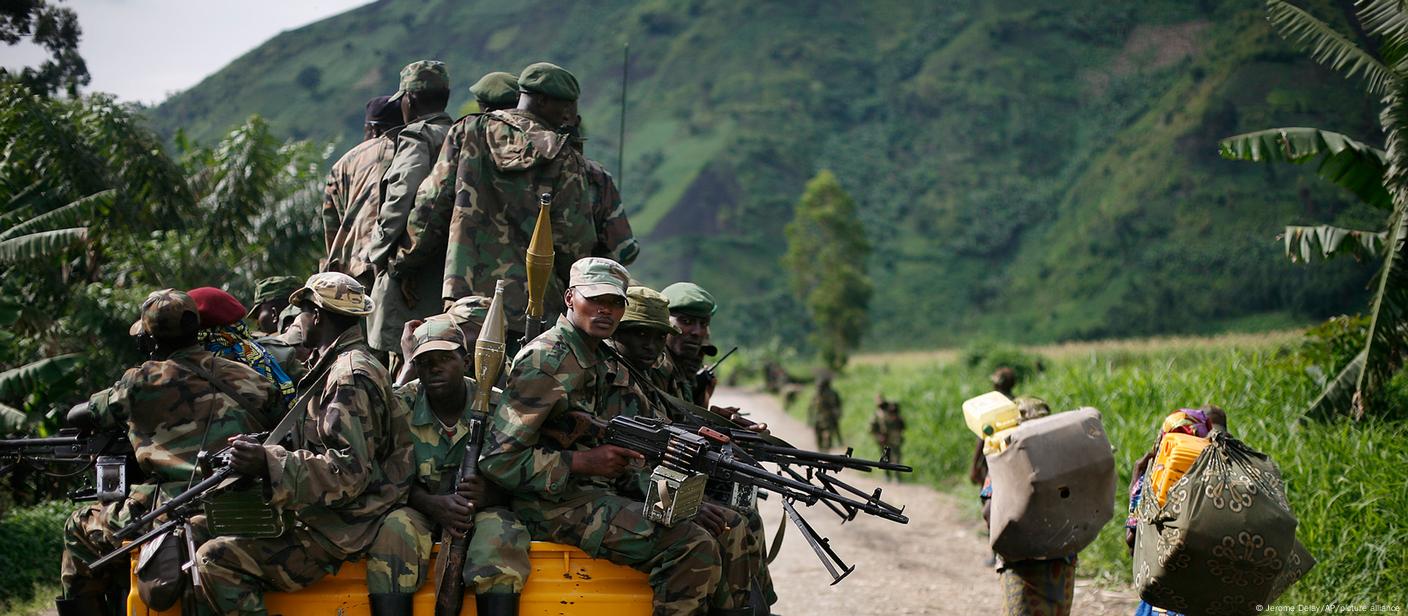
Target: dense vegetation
<point>1345,479</point>
<point>1028,171</point>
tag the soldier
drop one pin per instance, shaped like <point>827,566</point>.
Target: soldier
<point>615,240</point>
<point>497,561</point>
<point>825,413</point>
<point>467,313</point>
<point>887,428</point>
<point>567,496</point>
<point>270,299</point>
<point>383,116</point>
<point>491,172</point>
<point>352,201</point>
<point>286,346</point>
<point>346,470</point>
<point>222,332</point>
<point>691,310</point>
<point>183,401</point>
<point>495,91</point>
<point>409,272</point>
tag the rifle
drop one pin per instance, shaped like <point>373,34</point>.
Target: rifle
<point>705,376</point>
<point>488,362</point>
<point>539,264</point>
<point>108,452</point>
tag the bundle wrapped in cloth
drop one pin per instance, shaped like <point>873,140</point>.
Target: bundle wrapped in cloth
<point>1224,543</point>
<point>1053,486</point>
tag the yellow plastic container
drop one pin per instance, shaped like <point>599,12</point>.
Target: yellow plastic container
<point>565,581</point>
<point>1177,453</point>
<point>997,442</point>
<point>990,413</point>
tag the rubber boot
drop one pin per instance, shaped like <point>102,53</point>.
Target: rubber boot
<point>390,603</point>
<point>496,604</point>
<point>79,605</point>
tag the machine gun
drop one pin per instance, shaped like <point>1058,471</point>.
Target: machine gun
<point>108,452</point>
<point>689,458</point>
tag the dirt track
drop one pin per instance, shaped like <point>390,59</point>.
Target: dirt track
<point>933,565</point>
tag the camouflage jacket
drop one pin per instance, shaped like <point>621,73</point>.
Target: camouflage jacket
<point>352,202</point>
<point>492,168</point>
<point>673,379</point>
<point>887,428</point>
<point>351,466</point>
<point>826,406</point>
<point>435,452</point>
<point>562,370</point>
<point>395,245</point>
<point>614,239</point>
<point>172,414</point>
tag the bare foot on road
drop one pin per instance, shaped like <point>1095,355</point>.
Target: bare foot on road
<point>933,565</point>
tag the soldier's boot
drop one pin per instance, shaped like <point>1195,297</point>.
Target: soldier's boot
<point>731,611</point>
<point>390,603</point>
<point>496,604</point>
<point>80,605</point>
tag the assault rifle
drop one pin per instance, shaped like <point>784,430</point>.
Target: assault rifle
<point>108,452</point>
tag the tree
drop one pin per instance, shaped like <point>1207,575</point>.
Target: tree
<point>1378,177</point>
<point>826,259</point>
<point>53,28</point>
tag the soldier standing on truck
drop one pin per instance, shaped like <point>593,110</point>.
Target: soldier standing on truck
<point>497,562</point>
<point>182,402</point>
<point>346,468</point>
<point>495,91</point>
<point>615,240</point>
<point>825,413</point>
<point>352,197</point>
<point>567,495</point>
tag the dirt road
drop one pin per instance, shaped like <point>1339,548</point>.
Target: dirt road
<point>933,565</point>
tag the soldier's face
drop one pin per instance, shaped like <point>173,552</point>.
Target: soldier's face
<point>268,316</point>
<point>640,345</point>
<point>694,332</point>
<point>597,316</point>
<point>440,372</point>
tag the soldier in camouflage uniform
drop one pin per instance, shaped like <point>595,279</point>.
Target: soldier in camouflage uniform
<point>691,310</point>
<point>491,171</point>
<point>270,300</point>
<point>567,495</point>
<point>409,272</point>
<point>351,203</point>
<point>825,414</point>
<point>495,91</point>
<point>173,410</point>
<point>887,428</point>
<point>615,240</point>
<point>497,561</point>
<point>346,470</point>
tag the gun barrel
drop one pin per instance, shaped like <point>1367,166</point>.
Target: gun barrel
<point>792,455</point>
<point>177,503</point>
<point>108,558</point>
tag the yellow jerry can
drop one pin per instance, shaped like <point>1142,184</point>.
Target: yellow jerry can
<point>1177,452</point>
<point>990,413</point>
<point>565,582</point>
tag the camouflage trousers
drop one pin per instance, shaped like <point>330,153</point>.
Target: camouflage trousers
<point>236,572</point>
<point>497,560</point>
<point>686,571</point>
<point>88,536</point>
<point>758,545</point>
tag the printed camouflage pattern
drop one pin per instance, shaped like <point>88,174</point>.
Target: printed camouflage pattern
<point>171,415</point>
<point>350,470</point>
<point>564,370</point>
<point>825,415</point>
<point>498,551</point>
<point>492,168</point>
<point>351,203</point>
<point>614,239</point>
<point>887,426</point>
<point>417,147</point>
<point>672,379</point>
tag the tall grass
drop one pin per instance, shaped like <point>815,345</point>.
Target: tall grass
<point>1348,482</point>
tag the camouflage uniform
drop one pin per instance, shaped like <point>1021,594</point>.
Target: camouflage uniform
<point>564,370</point>
<point>350,469</point>
<point>497,560</point>
<point>351,204</point>
<point>171,414</point>
<point>825,415</point>
<point>887,428</point>
<point>614,238</point>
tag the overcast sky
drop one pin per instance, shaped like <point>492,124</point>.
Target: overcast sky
<point>144,50</point>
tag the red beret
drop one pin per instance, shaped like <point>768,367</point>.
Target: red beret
<point>216,307</point>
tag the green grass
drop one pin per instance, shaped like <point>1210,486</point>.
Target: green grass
<point>31,541</point>
<point>1348,482</point>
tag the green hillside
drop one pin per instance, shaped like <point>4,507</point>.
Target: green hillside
<point>1025,170</point>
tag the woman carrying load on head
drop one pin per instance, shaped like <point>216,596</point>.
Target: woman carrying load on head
<point>1194,422</point>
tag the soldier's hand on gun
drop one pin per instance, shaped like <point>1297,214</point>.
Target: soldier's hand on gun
<point>604,461</point>
<point>735,415</point>
<point>453,512</point>
<point>475,490</point>
<point>711,517</point>
<point>247,456</point>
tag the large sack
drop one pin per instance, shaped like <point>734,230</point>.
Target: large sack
<point>1053,487</point>
<point>1225,541</point>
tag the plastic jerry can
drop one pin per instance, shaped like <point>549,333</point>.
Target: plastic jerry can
<point>1177,452</point>
<point>997,442</point>
<point>990,413</point>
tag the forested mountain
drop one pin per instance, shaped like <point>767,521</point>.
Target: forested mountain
<point>1025,170</point>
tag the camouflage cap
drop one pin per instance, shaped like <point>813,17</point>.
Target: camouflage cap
<point>596,276</point>
<point>1031,407</point>
<point>498,90</point>
<point>423,76</point>
<point>470,309</point>
<point>274,288</point>
<point>334,292</point>
<point>549,79</point>
<point>647,308</point>
<point>437,335</point>
<point>163,315</point>
<point>691,299</point>
<point>291,312</point>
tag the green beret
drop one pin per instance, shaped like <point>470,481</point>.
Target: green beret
<point>691,299</point>
<point>498,90</point>
<point>549,80</point>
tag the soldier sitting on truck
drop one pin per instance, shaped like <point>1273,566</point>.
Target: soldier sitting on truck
<point>497,563</point>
